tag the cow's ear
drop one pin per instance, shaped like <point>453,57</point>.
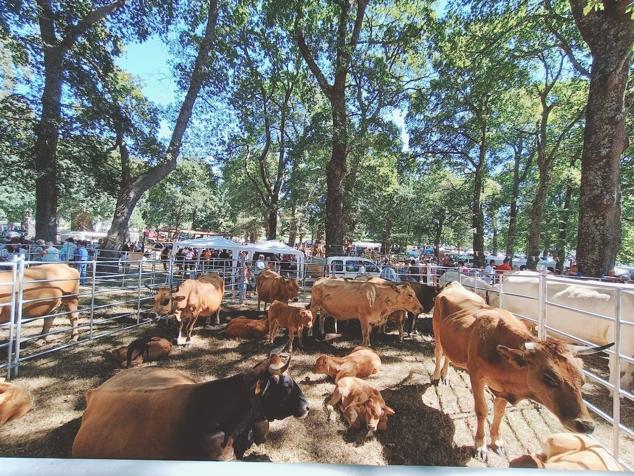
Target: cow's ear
<point>178,298</point>
<point>516,357</point>
<point>388,411</point>
<point>261,387</point>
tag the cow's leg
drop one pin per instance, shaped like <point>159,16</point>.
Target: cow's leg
<point>190,329</point>
<point>331,403</point>
<point>258,302</point>
<point>439,355</point>
<point>497,443</point>
<point>73,316</point>
<point>481,410</point>
<point>217,321</point>
<point>365,332</point>
<point>300,331</point>
<point>352,417</point>
<point>46,328</point>
<point>335,319</point>
<point>272,331</point>
<point>291,338</point>
<point>180,340</point>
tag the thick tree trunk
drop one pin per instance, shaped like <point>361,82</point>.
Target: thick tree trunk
<point>47,136</point>
<point>610,35</point>
<point>562,235</point>
<point>536,217</point>
<point>477,214</point>
<point>132,191</point>
<point>515,192</point>
<point>271,222</point>
<point>438,237</point>
<point>494,240</point>
<point>335,175</point>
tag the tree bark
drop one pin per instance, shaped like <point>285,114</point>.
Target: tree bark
<point>47,129</point>
<point>132,190</point>
<point>518,178</point>
<point>494,240</point>
<point>536,216</point>
<point>562,235</point>
<point>609,34</point>
<point>477,214</point>
<point>271,222</point>
<point>336,94</point>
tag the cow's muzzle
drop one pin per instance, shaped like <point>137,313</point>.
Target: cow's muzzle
<point>579,425</point>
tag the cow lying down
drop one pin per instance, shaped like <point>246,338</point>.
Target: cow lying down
<point>142,350</point>
<point>569,451</point>
<point>360,403</point>
<point>15,402</point>
<point>361,362</point>
<point>156,413</point>
<point>245,328</point>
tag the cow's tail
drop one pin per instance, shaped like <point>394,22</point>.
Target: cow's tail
<point>140,346</point>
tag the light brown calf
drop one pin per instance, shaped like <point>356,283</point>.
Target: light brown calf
<point>569,451</point>
<point>14,402</point>
<point>292,318</point>
<point>361,362</point>
<point>360,403</point>
<point>246,328</point>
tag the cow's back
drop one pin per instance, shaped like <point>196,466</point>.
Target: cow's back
<point>215,279</point>
<point>138,413</point>
<point>199,295</point>
<point>342,299</point>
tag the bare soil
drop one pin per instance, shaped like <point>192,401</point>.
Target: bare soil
<point>432,425</point>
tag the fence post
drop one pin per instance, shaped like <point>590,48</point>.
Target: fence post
<point>12,322</point>
<point>460,275</point>
<point>138,303</point>
<point>541,315</point>
<point>616,394</point>
<point>475,285</point>
<point>170,270</point>
<point>153,272</point>
<point>500,291</point>
<point>18,314</point>
<point>92,298</point>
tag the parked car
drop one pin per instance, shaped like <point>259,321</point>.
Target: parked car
<point>348,266</point>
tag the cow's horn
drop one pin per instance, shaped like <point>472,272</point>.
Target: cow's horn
<point>279,368</point>
<point>587,350</point>
<point>530,345</point>
<point>277,350</point>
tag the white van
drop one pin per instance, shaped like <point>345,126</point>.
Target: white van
<point>348,266</point>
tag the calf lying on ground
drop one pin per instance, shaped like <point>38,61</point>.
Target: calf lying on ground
<point>246,328</point>
<point>361,362</point>
<point>360,403</point>
<point>142,350</point>
<point>569,451</point>
<point>14,402</point>
<point>292,318</point>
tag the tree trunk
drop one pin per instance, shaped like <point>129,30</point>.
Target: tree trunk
<point>536,217</point>
<point>438,237</point>
<point>47,132</point>
<point>477,216</point>
<point>610,35</point>
<point>271,222</point>
<point>494,241</point>
<point>129,195</point>
<point>335,175</point>
<point>517,178</point>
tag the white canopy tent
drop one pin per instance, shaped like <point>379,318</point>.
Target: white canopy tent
<point>252,249</point>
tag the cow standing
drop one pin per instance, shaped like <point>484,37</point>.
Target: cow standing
<point>219,282</point>
<point>46,288</point>
<point>294,319</point>
<point>368,302</point>
<point>188,301</point>
<point>271,287</point>
<point>499,353</point>
<point>155,413</point>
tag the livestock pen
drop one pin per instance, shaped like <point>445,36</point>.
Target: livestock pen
<point>433,425</point>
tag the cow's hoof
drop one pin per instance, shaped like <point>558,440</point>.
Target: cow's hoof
<point>482,453</point>
<point>499,447</point>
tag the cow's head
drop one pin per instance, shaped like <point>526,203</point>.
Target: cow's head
<point>305,318</point>
<point>554,379</point>
<point>407,298</point>
<point>292,288</point>
<point>322,365</point>
<point>164,301</point>
<point>375,412</point>
<point>278,394</point>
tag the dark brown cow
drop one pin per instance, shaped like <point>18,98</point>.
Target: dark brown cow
<point>499,353</point>
<point>273,287</point>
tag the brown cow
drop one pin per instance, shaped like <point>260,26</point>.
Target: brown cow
<point>360,403</point>
<point>292,318</point>
<point>246,328</point>
<point>569,451</point>
<point>47,287</point>
<point>142,350</point>
<point>361,362</point>
<point>271,287</point>
<point>15,402</point>
<point>499,352</point>
<point>369,302</point>
<point>158,413</point>
<point>187,302</point>
<point>219,282</point>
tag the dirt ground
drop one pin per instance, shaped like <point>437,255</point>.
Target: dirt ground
<point>432,425</point>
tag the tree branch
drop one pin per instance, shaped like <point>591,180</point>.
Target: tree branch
<point>89,20</point>
<point>305,51</point>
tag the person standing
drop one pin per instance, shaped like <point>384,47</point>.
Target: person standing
<point>37,252</point>
<point>81,257</point>
<point>489,272</point>
<point>51,254</point>
<point>388,272</point>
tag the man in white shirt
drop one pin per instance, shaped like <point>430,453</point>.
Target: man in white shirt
<point>260,265</point>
